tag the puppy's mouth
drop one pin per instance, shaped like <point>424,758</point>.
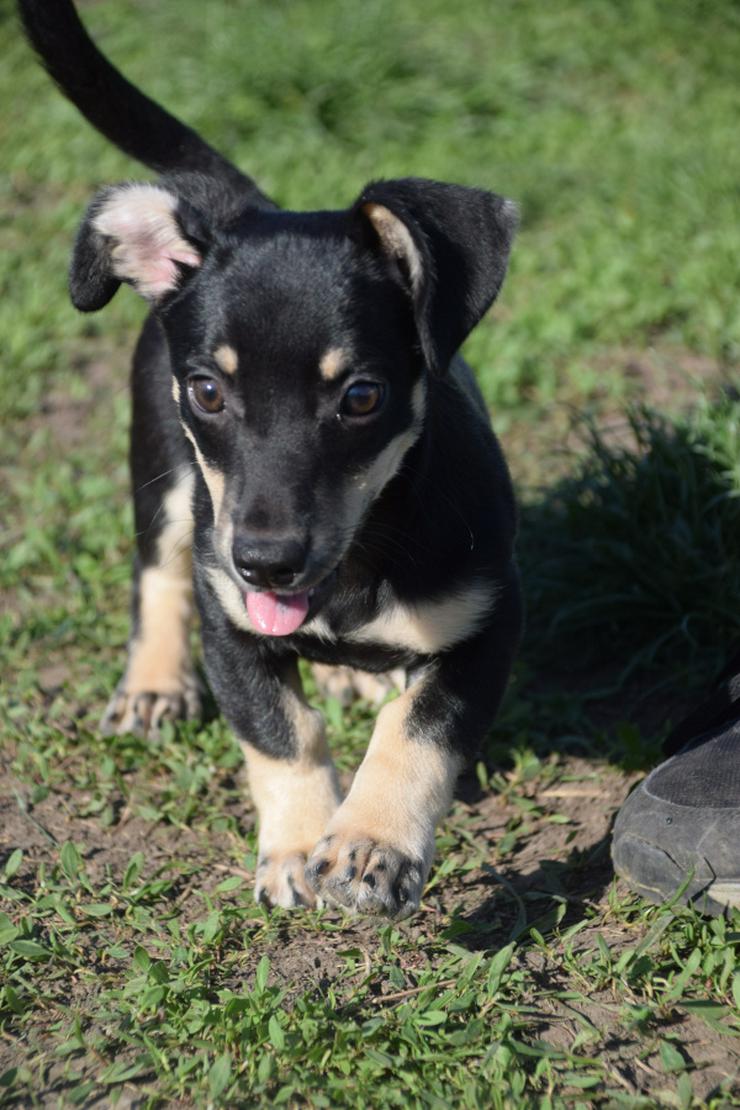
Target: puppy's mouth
<point>275,614</point>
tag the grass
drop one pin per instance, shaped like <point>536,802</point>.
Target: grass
<point>135,964</point>
<point>659,486</point>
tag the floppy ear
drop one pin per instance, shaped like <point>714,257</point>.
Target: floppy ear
<point>451,244</point>
<point>141,234</point>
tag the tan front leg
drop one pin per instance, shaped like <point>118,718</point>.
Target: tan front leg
<point>295,800</point>
<point>378,847</point>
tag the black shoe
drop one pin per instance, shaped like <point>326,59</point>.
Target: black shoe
<point>682,824</point>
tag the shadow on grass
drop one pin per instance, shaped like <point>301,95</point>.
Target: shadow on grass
<point>631,571</point>
<point>557,892</point>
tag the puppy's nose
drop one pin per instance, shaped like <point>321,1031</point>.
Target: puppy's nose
<point>270,562</point>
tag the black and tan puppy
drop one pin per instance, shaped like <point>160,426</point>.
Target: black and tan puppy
<point>303,424</point>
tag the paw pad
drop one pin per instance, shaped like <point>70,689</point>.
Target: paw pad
<point>366,876</point>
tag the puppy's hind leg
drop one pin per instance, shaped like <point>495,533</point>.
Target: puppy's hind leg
<point>159,682</point>
<point>345,684</point>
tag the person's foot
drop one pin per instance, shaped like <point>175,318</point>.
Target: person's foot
<point>683,821</point>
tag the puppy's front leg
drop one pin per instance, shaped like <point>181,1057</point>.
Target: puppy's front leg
<point>291,774</point>
<point>377,849</point>
<point>295,796</point>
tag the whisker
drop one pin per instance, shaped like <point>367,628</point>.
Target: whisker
<point>158,477</point>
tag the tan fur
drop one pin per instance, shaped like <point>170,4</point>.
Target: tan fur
<point>368,483</point>
<point>294,800</point>
<point>140,221</point>
<point>402,789</point>
<point>227,359</point>
<point>345,684</point>
<point>431,626</point>
<point>377,849</point>
<point>160,653</point>
<point>231,599</point>
<point>396,238</point>
<point>332,363</point>
<point>375,688</point>
<point>159,682</point>
<point>214,479</point>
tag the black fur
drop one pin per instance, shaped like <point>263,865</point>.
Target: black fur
<point>464,237</point>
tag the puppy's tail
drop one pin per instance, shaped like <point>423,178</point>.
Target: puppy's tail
<point>125,116</point>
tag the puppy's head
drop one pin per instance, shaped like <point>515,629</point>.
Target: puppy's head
<point>301,347</point>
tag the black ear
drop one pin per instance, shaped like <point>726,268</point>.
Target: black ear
<point>142,234</point>
<point>452,243</point>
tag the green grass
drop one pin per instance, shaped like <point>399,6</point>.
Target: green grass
<point>647,531</point>
<point>134,962</point>
<point>613,125</point>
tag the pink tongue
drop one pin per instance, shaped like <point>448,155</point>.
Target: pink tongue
<point>277,615</point>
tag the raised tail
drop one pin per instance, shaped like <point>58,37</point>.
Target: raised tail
<point>125,116</point>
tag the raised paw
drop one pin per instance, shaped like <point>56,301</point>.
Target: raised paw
<point>143,712</point>
<point>281,881</point>
<point>367,876</point>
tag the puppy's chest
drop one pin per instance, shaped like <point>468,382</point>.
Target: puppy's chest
<point>389,633</point>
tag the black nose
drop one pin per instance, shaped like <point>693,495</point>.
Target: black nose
<point>273,563</point>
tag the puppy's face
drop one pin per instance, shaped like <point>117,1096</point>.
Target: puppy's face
<point>301,389</point>
<point>300,347</point>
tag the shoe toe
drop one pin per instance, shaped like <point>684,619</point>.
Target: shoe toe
<point>658,846</point>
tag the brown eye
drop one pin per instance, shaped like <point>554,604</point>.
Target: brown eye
<point>362,399</point>
<point>206,394</point>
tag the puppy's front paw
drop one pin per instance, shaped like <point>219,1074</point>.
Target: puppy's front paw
<point>143,712</point>
<point>281,881</point>
<point>366,875</point>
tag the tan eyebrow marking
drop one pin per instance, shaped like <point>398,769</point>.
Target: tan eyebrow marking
<point>226,358</point>
<point>332,363</point>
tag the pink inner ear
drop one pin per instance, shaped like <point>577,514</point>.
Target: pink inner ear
<point>158,269</point>
<point>140,219</point>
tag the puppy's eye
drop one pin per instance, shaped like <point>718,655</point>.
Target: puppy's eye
<point>362,399</point>
<point>206,394</point>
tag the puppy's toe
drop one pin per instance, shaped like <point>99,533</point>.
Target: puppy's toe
<point>334,682</point>
<point>391,884</point>
<point>143,712</point>
<point>281,881</point>
<point>364,875</point>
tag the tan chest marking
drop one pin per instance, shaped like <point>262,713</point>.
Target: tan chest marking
<point>432,626</point>
<point>426,628</point>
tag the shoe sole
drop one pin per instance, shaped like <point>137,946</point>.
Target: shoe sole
<point>714,898</point>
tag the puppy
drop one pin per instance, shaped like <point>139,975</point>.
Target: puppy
<point>308,450</point>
